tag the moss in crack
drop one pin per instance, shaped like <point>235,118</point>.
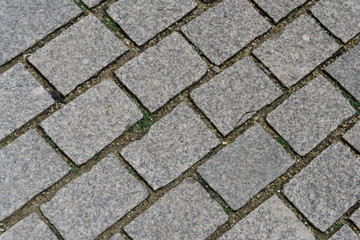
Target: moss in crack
<point>49,141</point>
<point>74,168</point>
<point>81,5</point>
<point>111,24</point>
<point>283,143</point>
<point>354,103</point>
<point>145,123</point>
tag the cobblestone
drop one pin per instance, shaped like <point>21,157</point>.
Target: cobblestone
<point>345,233</point>
<point>356,217</point>
<point>279,8</point>
<point>353,136</point>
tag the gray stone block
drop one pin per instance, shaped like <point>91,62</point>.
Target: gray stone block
<point>171,146</point>
<point>356,217</point>
<point>224,29</point>
<point>310,115</point>
<point>91,3</point>
<point>345,233</point>
<point>327,187</point>
<point>93,120</point>
<point>117,237</point>
<point>353,136</point>
<point>91,203</point>
<point>278,9</point>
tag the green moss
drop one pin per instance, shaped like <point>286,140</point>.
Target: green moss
<point>145,122</point>
<point>284,143</point>
<point>74,168</point>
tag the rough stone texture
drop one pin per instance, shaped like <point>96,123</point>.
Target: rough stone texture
<point>21,99</point>
<point>272,220</point>
<point>243,168</point>
<point>162,71</point>
<point>186,212</point>
<point>23,23</point>
<point>345,233</point>
<point>142,19</point>
<point>353,136</point>
<point>278,9</point>
<point>235,94</point>
<point>327,187</point>
<point>117,237</point>
<point>171,146</point>
<point>91,3</point>
<point>301,47</point>
<point>93,120</point>
<point>77,54</point>
<point>94,201</point>
<point>223,30</point>
<point>310,115</point>
<point>356,217</point>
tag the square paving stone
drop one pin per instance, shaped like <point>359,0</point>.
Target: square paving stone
<point>310,115</point>
<point>28,166</point>
<point>243,168</point>
<point>301,47</point>
<point>21,98</point>
<point>234,94</point>
<point>143,19</point>
<point>162,71</point>
<point>278,9</point>
<point>91,203</point>
<point>23,23</point>
<point>353,136</point>
<point>356,217</point>
<point>327,187</point>
<point>272,220</point>
<point>224,29</point>
<point>77,54</point>
<point>345,233</point>
<point>186,212</point>
<point>93,120</point>
<point>171,146</point>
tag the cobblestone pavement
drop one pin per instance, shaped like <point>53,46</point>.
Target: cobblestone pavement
<point>180,119</point>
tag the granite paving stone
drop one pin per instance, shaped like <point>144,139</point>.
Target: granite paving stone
<point>94,201</point>
<point>301,47</point>
<point>246,166</point>
<point>310,115</point>
<point>117,237</point>
<point>353,136</point>
<point>356,217</point>
<point>345,233</point>
<point>77,54</point>
<point>327,187</point>
<point>93,120</point>
<point>28,166</point>
<point>224,29</point>
<point>91,3</point>
<point>186,212</point>
<point>278,9</point>
<point>234,94</point>
<point>21,98</point>
<point>171,146</point>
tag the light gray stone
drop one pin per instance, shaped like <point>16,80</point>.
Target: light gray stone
<point>243,168</point>
<point>224,29</point>
<point>91,3</point>
<point>23,23</point>
<point>345,233</point>
<point>310,115</point>
<point>186,212</point>
<point>77,54</point>
<point>93,120</point>
<point>301,47</point>
<point>327,187</point>
<point>235,94</point>
<point>91,203</point>
<point>278,9</point>
<point>353,136</point>
<point>356,217</point>
<point>142,19</point>
<point>21,99</point>
<point>117,237</point>
<point>272,220</point>
<point>171,146</point>
<point>28,166</point>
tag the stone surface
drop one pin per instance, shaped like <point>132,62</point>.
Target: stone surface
<point>117,237</point>
<point>345,233</point>
<point>272,220</point>
<point>93,120</point>
<point>223,30</point>
<point>91,203</point>
<point>301,47</point>
<point>235,94</point>
<point>278,9</point>
<point>327,187</point>
<point>310,115</point>
<point>186,212</point>
<point>162,71</point>
<point>91,3</point>
<point>77,54</point>
<point>246,166</point>
<point>353,136</point>
<point>21,98</point>
<point>25,23</point>
<point>142,19</point>
<point>28,166</point>
<point>356,217</point>
<point>170,147</point>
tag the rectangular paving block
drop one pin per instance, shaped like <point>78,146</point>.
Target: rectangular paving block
<point>353,136</point>
<point>327,187</point>
<point>236,93</point>
<point>93,120</point>
<point>356,217</point>
<point>345,233</point>
<point>301,47</point>
<point>278,9</point>
<point>91,203</point>
<point>186,212</point>
<point>28,166</point>
<point>310,115</point>
<point>246,166</point>
<point>77,54</point>
<point>171,146</point>
<point>162,71</point>
<point>224,29</point>
<point>21,99</point>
